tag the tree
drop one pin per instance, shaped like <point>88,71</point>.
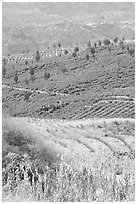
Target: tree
<point>4,70</point>
<point>26,95</point>
<point>89,44</point>
<point>122,46</point>
<point>99,43</point>
<point>123,39</point>
<point>128,48</point>
<point>26,81</point>
<point>106,42</point>
<point>4,61</point>
<point>65,52</point>
<point>27,50</point>
<point>37,57</point>
<point>32,78</point>
<point>76,49</point>
<point>16,77</point>
<point>131,51</point>
<point>59,45</point>
<point>115,39</point>
<point>87,57</point>
<point>31,71</point>
<point>109,48</point>
<point>26,62</point>
<point>92,50</point>
<point>46,75</point>
<point>95,44</point>
<point>74,54</point>
<point>64,70</point>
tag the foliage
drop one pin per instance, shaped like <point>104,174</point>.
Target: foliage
<point>26,95</point>
<point>131,51</point>
<point>74,54</point>
<point>65,52</point>
<point>59,45</point>
<point>115,39</point>
<point>26,81</point>
<point>87,57</point>
<point>92,50</point>
<point>106,42</point>
<point>95,44</point>
<point>15,77</point>
<point>63,183</point>
<point>26,62</point>
<point>109,48</point>
<point>4,70</point>
<point>76,49</point>
<point>4,62</point>
<point>46,75</point>
<point>89,44</point>
<point>37,57</point>
<point>123,46</point>
<point>32,78</point>
<point>31,71</point>
<point>64,70</point>
<point>99,43</point>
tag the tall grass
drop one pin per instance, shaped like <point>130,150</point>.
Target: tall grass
<point>111,181</point>
<point>111,178</point>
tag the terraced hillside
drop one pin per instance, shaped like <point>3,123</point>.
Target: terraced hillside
<point>83,86</point>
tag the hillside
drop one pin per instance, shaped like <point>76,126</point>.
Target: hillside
<point>77,87</point>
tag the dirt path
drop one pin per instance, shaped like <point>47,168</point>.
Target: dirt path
<point>116,98</point>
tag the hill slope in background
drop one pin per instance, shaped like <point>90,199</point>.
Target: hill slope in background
<point>43,24</point>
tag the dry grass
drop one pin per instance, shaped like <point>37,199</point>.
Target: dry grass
<point>73,167</point>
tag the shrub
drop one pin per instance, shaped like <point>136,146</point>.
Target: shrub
<point>115,39</point>
<point>92,50</point>
<point>64,70</point>
<point>131,51</point>
<point>87,57</point>
<point>128,48</point>
<point>89,44</point>
<point>37,57</point>
<point>26,81</point>
<point>26,95</point>
<point>32,78</point>
<point>74,54</point>
<point>4,70</point>
<point>99,43</point>
<point>31,71</point>
<point>106,42</point>
<point>66,52</point>
<point>76,49</point>
<point>59,45</point>
<point>123,46</point>
<point>16,77</point>
<point>26,62</point>
<point>109,48</point>
<point>4,62</point>
<point>46,75</point>
<point>95,44</point>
